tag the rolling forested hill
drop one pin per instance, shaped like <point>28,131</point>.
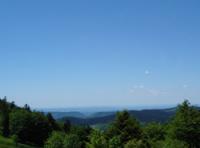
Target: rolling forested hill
<point>144,116</point>
<point>157,115</point>
<point>58,115</point>
<point>21,127</point>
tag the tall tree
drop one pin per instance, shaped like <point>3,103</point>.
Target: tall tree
<point>55,140</point>
<point>154,131</point>
<point>72,141</point>
<point>4,111</point>
<point>124,126</point>
<point>186,125</point>
<point>97,140</point>
<point>27,107</point>
<point>30,127</point>
<point>67,126</point>
<point>52,122</point>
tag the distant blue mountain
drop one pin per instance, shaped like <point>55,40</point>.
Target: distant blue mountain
<point>144,116</point>
<point>58,115</point>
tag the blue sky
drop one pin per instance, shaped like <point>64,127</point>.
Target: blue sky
<point>100,52</point>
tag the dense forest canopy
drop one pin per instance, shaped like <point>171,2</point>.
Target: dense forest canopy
<point>37,129</point>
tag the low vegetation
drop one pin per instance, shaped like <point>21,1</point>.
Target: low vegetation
<point>22,125</point>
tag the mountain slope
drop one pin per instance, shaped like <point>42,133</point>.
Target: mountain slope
<point>58,115</point>
<point>144,116</point>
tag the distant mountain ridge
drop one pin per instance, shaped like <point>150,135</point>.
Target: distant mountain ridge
<point>76,114</point>
<point>144,116</point>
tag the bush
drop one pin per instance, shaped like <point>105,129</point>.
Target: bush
<point>115,142</point>
<point>55,140</point>
<point>174,143</point>
<point>97,140</point>
<point>71,141</point>
<point>136,144</point>
<point>154,131</point>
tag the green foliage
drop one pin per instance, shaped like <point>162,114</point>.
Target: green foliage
<point>82,132</point>
<point>30,127</point>
<point>52,122</point>
<point>186,125</point>
<point>4,114</point>
<point>60,140</point>
<point>27,107</point>
<point>125,126</point>
<point>97,140</point>
<point>136,144</point>
<point>115,142</point>
<point>154,131</point>
<point>67,126</point>
<point>55,140</point>
<point>71,141</point>
<point>9,143</point>
<point>15,139</point>
<point>173,143</point>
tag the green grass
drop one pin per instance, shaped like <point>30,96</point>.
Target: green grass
<point>8,143</point>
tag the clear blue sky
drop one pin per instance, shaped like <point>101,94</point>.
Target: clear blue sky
<point>100,52</point>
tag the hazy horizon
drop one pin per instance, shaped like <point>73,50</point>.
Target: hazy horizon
<point>99,53</point>
<point>95,109</point>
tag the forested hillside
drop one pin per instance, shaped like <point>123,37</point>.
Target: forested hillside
<point>144,116</point>
<point>21,125</point>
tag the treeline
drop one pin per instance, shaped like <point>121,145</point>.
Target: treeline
<point>27,126</point>
<point>35,128</point>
